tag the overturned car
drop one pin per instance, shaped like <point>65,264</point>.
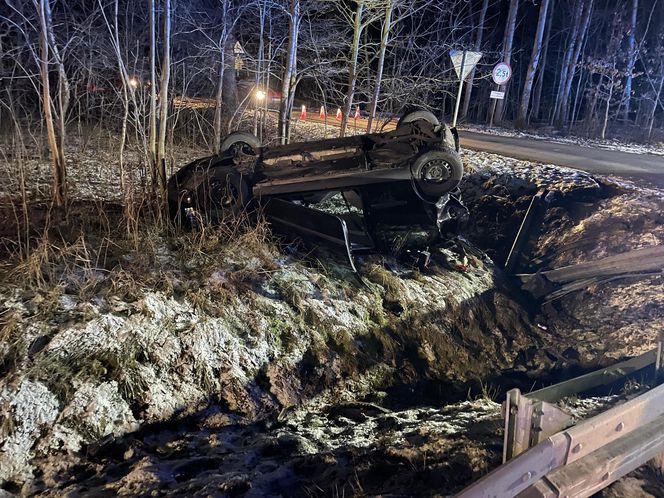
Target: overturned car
<point>360,193</point>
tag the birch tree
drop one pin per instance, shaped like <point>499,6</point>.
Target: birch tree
<point>580,44</point>
<point>152,118</point>
<point>631,59</point>
<point>567,63</point>
<point>522,113</point>
<point>477,46</point>
<point>535,108</point>
<point>508,42</point>
<point>218,98</point>
<point>56,140</point>
<point>164,100</point>
<point>384,38</point>
<point>358,26</point>
<point>289,78</point>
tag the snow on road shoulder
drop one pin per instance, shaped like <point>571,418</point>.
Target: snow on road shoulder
<point>608,144</point>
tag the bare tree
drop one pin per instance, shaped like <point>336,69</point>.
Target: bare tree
<point>384,38</point>
<point>522,113</point>
<point>56,141</point>
<point>479,33</point>
<point>567,63</point>
<point>535,108</point>
<point>358,26</point>
<point>218,100</point>
<point>164,100</point>
<point>152,133</point>
<point>288,82</point>
<point>631,59</point>
<point>127,88</point>
<point>580,43</point>
<point>508,42</point>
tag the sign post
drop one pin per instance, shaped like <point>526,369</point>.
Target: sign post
<point>464,61</point>
<point>501,74</point>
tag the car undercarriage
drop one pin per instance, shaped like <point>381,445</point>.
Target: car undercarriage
<point>395,191</point>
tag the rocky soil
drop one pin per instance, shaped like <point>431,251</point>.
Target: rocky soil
<point>224,364</point>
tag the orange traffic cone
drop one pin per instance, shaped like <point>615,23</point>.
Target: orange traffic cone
<point>303,114</point>
<point>339,113</point>
<point>322,112</point>
<point>357,112</point>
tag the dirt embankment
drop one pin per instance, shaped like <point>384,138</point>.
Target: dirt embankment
<point>94,352</point>
<point>238,369</point>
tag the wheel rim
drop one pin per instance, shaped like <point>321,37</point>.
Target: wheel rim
<point>223,195</point>
<point>436,171</point>
<point>434,174</point>
<point>242,148</point>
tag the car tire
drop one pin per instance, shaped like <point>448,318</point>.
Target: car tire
<point>248,143</point>
<point>416,116</point>
<point>435,173</point>
<point>221,194</point>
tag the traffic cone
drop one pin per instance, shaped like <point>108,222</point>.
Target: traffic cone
<point>303,114</point>
<point>321,115</point>
<point>339,113</point>
<point>357,112</point>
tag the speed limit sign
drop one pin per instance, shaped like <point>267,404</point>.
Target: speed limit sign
<point>501,73</point>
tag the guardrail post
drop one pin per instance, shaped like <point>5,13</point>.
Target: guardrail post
<point>658,364</point>
<point>518,413</point>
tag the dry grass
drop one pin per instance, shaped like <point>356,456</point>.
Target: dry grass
<point>59,370</point>
<point>13,346</point>
<point>391,284</point>
<point>103,261</point>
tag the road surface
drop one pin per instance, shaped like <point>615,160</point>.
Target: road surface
<point>644,169</point>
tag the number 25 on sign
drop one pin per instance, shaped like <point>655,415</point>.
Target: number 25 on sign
<point>501,73</point>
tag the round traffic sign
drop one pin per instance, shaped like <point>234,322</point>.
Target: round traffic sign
<point>501,73</point>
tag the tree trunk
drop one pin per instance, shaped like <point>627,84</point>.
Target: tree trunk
<point>580,45</point>
<point>218,98</point>
<point>605,120</point>
<point>152,125</point>
<point>577,97</point>
<point>352,67</point>
<point>508,41</point>
<point>58,166</point>
<point>476,47</point>
<point>114,34</point>
<point>163,99</point>
<point>385,34</point>
<point>537,97</point>
<point>522,114</point>
<point>290,71</point>
<point>631,59</point>
<point>654,107</point>
<point>567,61</point>
<point>258,79</point>
<point>592,105</point>
<point>63,88</point>
<point>230,96</point>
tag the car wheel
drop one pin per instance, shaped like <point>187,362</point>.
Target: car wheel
<point>435,173</point>
<point>416,116</point>
<point>222,194</point>
<point>240,142</point>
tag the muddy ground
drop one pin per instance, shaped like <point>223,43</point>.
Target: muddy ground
<point>228,365</point>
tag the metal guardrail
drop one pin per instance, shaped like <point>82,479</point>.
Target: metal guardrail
<point>545,455</point>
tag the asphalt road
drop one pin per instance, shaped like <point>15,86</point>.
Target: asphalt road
<point>645,169</point>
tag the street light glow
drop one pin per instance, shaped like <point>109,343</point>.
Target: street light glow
<point>260,95</point>
<point>133,82</point>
